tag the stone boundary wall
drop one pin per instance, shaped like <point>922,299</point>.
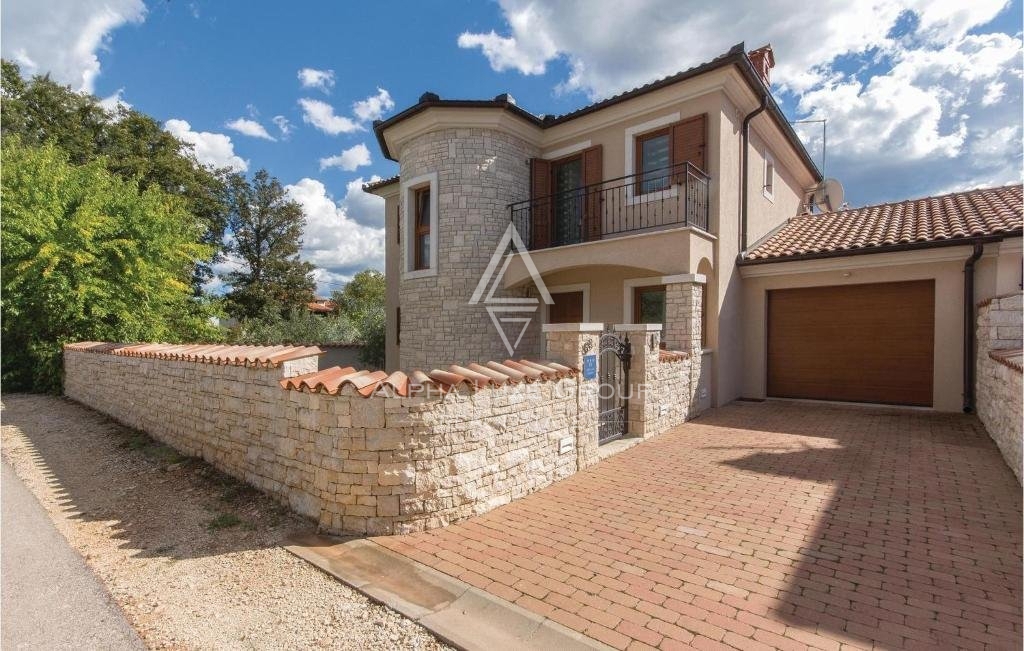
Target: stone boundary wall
<point>375,464</point>
<point>371,452</point>
<point>998,395</point>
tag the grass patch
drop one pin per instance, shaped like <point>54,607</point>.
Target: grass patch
<point>223,521</point>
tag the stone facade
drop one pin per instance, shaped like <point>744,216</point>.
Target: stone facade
<point>999,387</point>
<point>479,172</point>
<point>367,465</point>
<point>684,328</point>
<point>660,382</point>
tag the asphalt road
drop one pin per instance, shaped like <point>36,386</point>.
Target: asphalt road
<point>49,598</point>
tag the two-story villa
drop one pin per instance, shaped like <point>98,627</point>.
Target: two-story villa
<point>676,192</point>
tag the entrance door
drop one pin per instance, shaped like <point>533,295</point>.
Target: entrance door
<point>567,308</point>
<point>567,184</point>
<point>856,343</point>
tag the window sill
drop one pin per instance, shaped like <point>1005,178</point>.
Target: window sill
<point>419,273</point>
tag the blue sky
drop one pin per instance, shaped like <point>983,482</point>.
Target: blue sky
<point>921,97</point>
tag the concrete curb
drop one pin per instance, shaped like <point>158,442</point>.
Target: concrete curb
<point>454,611</point>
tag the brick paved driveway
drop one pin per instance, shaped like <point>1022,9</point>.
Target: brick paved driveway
<point>766,525</point>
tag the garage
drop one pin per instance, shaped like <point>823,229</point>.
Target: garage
<point>854,343</point>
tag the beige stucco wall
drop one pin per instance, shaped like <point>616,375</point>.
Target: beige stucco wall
<point>943,265</point>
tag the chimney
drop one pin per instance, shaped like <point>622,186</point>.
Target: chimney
<point>763,60</point>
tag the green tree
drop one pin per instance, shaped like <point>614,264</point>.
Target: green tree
<point>265,234</point>
<point>131,144</point>
<point>299,327</point>
<point>363,293</point>
<point>87,255</point>
<point>362,302</point>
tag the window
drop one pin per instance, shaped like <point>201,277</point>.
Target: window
<point>398,326</point>
<point>398,222</point>
<point>420,229</point>
<point>769,176</point>
<point>649,305</point>
<point>653,158</point>
<point>421,245</point>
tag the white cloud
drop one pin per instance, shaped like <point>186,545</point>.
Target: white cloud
<point>374,106</point>
<point>313,78</point>
<point>607,56</point>
<point>321,115</point>
<point>63,37</point>
<point>248,127</point>
<point>283,125</point>
<point>334,240</point>
<point>113,102</point>
<point>348,160</point>
<point>211,149</point>
<point>908,86</point>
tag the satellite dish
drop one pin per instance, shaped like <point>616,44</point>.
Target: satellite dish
<point>828,196</point>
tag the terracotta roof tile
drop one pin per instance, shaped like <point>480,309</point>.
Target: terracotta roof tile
<point>929,221</point>
<point>257,356</point>
<point>470,377</point>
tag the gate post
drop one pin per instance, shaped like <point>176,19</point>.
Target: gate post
<point>645,341</point>
<point>569,343</point>
<point>685,314</point>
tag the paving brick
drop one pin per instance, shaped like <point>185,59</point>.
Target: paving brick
<point>792,526</point>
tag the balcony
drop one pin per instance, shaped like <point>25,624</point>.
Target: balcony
<point>646,202</point>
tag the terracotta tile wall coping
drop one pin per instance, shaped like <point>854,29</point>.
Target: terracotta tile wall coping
<point>471,377</point>
<point>666,356</point>
<point>258,356</point>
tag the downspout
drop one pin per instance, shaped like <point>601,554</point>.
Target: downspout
<point>969,326</point>
<point>744,200</point>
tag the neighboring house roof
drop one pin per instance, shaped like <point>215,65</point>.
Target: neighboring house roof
<point>321,306</point>
<point>736,55</point>
<point>376,185</point>
<point>957,218</point>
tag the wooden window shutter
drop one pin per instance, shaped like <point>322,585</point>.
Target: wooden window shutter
<point>689,142</point>
<point>540,211</point>
<point>593,173</point>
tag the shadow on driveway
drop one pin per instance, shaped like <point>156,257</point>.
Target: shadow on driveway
<point>920,543</point>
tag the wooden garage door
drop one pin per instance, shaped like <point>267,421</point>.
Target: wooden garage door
<point>858,343</point>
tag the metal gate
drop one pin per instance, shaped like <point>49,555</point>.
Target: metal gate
<point>614,353</point>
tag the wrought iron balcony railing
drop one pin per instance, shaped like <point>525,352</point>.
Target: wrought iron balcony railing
<point>656,199</point>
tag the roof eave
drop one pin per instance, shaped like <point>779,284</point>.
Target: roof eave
<point>890,248</point>
<point>735,56</point>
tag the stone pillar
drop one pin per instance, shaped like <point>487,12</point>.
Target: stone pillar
<point>568,343</point>
<point>684,299</point>
<point>645,341</point>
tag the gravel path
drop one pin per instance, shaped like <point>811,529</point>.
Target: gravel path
<point>191,556</point>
